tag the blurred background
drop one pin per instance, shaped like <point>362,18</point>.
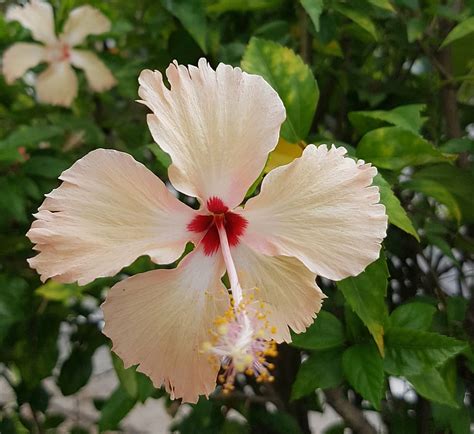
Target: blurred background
<point>390,80</point>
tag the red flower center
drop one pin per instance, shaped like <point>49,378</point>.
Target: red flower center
<point>234,225</point>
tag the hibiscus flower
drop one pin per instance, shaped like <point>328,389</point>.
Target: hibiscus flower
<point>318,215</point>
<point>57,84</point>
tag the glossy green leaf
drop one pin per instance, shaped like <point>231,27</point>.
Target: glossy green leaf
<point>192,16</point>
<point>286,72</point>
<point>457,146</point>
<point>431,385</point>
<point>407,117</point>
<point>358,17</point>
<point>314,8</point>
<point>457,182</point>
<point>416,315</point>
<point>395,148</point>
<point>436,190</point>
<point>115,409</point>
<point>75,371</point>
<point>365,294</point>
<point>322,369</point>
<point>56,291</point>
<point>411,352</point>
<point>382,4</point>
<point>325,332</point>
<point>127,377</point>
<point>363,368</point>
<point>464,28</point>
<point>395,212</point>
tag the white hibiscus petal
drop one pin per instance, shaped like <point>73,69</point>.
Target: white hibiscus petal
<point>321,209</point>
<point>82,22</point>
<point>218,127</point>
<point>286,286</point>
<point>57,84</point>
<point>108,211</point>
<point>20,57</point>
<point>98,75</point>
<point>159,321</point>
<point>38,17</point>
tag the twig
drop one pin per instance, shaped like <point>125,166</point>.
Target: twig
<point>352,415</point>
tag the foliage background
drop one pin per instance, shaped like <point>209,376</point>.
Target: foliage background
<point>372,75</point>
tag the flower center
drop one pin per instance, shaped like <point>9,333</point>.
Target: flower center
<point>207,224</point>
<point>59,52</point>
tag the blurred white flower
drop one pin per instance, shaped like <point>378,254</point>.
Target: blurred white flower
<point>57,84</point>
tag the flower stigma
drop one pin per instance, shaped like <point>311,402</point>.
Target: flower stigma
<point>242,336</point>
<point>241,340</point>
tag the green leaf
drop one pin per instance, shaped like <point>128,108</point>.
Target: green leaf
<point>415,28</point>
<point>382,4</point>
<point>432,386</point>
<point>458,182</point>
<point>314,8</point>
<point>358,17</point>
<point>220,6</point>
<point>396,214</point>
<point>286,72</point>
<point>75,371</point>
<point>115,409</point>
<point>458,421</point>
<point>163,158</point>
<point>325,332</point>
<point>455,146</point>
<point>411,352</point>
<point>363,368</point>
<point>434,189</point>
<point>416,316</point>
<point>322,369</point>
<point>365,294</point>
<point>192,16</point>
<point>464,28</point>
<point>407,117</point>
<point>56,291</point>
<point>45,166</point>
<point>127,377</point>
<point>13,302</point>
<point>27,137</point>
<point>395,148</point>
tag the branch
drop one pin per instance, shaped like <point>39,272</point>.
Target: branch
<point>351,414</point>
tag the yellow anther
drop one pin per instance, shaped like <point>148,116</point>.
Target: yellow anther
<point>222,329</point>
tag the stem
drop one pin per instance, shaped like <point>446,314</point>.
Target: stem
<point>352,415</point>
<point>235,287</point>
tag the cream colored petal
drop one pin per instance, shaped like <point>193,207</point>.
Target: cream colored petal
<point>38,17</point>
<point>82,22</point>
<point>321,209</point>
<point>108,211</point>
<point>286,286</point>
<point>218,127</point>
<point>57,84</point>
<point>20,57</point>
<point>160,320</point>
<point>98,75</point>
